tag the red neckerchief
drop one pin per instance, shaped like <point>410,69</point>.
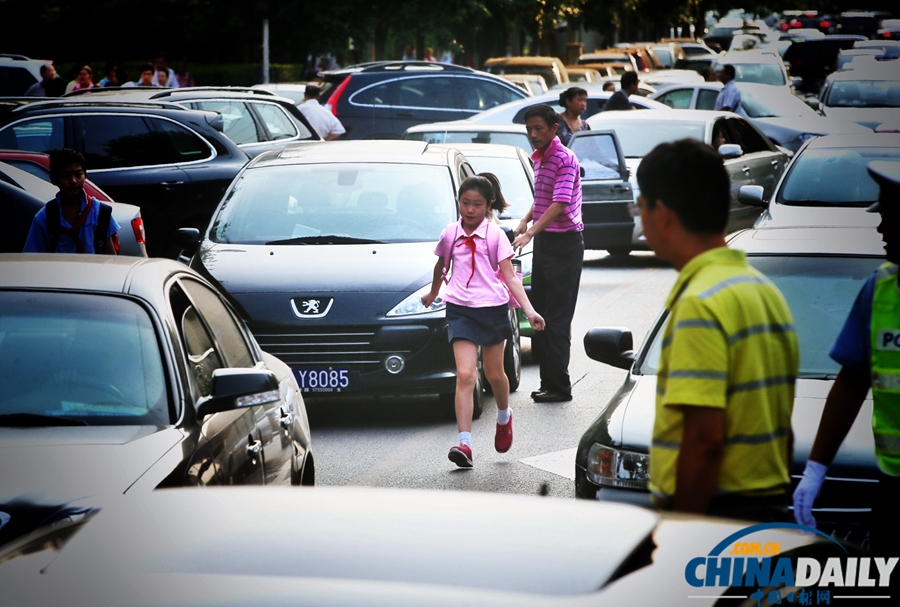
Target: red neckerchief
<point>76,225</point>
<point>469,241</point>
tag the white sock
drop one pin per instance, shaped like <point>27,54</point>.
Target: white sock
<point>465,438</point>
<point>503,416</point>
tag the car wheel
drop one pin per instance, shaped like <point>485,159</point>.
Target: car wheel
<point>512,355</point>
<point>308,476</point>
<point>619,251</point>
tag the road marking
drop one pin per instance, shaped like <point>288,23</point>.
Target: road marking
<point>595,307</point>
<point>557,462</point>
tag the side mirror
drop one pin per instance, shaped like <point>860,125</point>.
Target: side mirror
<point>812,101</point>
<point>613,346</point>
<point>581,169</point>
<point>730,150</point>
<point>239,388</point>
<point>796,82</point>
<point>510,235</point>
<point>216,121</point>
<point>752,195</point>
<point>187,239</point>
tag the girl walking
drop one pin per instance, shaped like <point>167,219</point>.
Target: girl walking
<point>478,296</point>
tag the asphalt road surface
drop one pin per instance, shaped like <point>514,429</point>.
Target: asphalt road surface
<point>403,442</point>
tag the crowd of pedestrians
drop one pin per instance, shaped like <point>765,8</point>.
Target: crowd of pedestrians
<point>81,77</point>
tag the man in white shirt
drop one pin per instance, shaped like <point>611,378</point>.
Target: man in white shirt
<point>729,99</point>
<point>326,124</point>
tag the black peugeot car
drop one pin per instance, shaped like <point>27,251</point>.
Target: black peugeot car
<point>172,162</point>
<point>326,250</point>
<point>381,100</point>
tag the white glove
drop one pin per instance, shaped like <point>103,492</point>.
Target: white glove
<point>806,492</point>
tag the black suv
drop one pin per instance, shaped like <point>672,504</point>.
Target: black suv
<point>172,162</point>
<point>381,100</point>
<point>255,119</point>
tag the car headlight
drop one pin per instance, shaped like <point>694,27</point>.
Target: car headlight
<point>413,303</point>
<point>612,467</point>
<point>802,137</point>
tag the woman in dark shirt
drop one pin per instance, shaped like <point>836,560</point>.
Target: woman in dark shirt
<point>574,100</point>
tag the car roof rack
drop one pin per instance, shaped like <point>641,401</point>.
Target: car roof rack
<point>51,103</point>
<point>393,66</point>
<point>15,57</point>
<point>202,89</point>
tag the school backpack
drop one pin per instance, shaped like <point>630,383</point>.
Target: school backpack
<point>100,230</point>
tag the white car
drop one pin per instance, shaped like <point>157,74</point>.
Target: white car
<point>758,66</point>
<point>868,96</point>
<point>464,131</point>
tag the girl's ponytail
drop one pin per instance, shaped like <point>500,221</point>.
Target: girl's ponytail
<point>497,203</point>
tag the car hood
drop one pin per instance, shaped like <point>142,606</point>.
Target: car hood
<point>869,117</point>
<point>58,465</point>
<point>784,216</point>
<point>816,125</point>
<point>633,427</point>
<point>400,267</point>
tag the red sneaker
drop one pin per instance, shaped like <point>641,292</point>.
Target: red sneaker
<point>503,436</point>
<point>461,456</point>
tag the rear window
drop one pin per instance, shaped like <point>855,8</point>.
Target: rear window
<point>826,177</point>
<point>638,137</point>
<point>363,201</point>
<point>864,93</point>
<point>760,73</point>
<point>91,358</point>
<point>516,139</point>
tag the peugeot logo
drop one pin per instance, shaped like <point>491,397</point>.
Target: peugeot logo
<point>311,307</point>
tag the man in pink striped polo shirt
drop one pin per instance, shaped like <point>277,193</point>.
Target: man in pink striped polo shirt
<point>558,250</point>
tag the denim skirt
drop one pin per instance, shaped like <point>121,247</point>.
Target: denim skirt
<point>482,326</point>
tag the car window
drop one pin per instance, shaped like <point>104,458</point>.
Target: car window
<point>110,141</point>
<point>598,156</point>
<point>180,144</point>
<point>220,321</point>
<point>382,202</point>
<point>516,139</point>
<point>202,357</point>
<point>706,99</point>
<point>278,124</point>
<point>761,73</point>
<point>638,137</point>
<point>747,137</point>
<point>94,358</point>
<point>819,292</point>
<point>679,100</point>
<point>434,92</point>
<point>834,176</point>
<point>864,93</point>
<point>14,81</point>
<point>478,94</point>
<point>379,94</point>
<point>515,182</point>
<point>35,135</point>
<point>30,167</point>
<point>239,124</point>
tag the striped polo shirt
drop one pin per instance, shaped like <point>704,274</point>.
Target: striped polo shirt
<point>729,343</point>
<point>557,178</point>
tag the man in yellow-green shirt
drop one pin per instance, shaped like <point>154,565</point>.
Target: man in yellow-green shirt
<point>725,389</point>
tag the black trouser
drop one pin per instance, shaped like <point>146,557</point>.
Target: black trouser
<point>555,277</point>
<point>885,531</point>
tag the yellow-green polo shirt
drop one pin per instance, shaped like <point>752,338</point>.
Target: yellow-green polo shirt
<point>729,343</point>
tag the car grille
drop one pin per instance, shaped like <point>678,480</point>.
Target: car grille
<point>352,346</point>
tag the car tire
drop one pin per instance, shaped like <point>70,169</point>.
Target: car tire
<point>512,355</point>
<point>619,251</point>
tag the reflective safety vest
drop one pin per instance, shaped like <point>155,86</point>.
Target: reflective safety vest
<point>885,335</point>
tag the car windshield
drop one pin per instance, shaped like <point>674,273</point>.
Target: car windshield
<point>638,137</point>
<point>819,292</point>
<point>864,93</point>
<point>774,105</point>
<point>828,176</point>
<point>515,183</point>
<point>516,139</point>
<point>548,72</point>
<point>760,73</point>
<point>79,359</point>
<point>363,202</point>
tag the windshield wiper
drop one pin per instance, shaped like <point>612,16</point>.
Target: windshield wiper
<point>326,239</point>
<point>35,420</point>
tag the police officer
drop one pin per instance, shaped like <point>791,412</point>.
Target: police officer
<point>868,350</point>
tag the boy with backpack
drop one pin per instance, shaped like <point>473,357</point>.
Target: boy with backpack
<point>72,222</point>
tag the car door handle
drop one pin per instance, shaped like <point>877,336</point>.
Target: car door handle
<point>774,163</point>
<point>171,184</point>
<point>253,446</point>
<point>746,170</point>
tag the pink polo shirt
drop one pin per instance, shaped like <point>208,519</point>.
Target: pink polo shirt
<point>557,178</point>
<point>482,287</point>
